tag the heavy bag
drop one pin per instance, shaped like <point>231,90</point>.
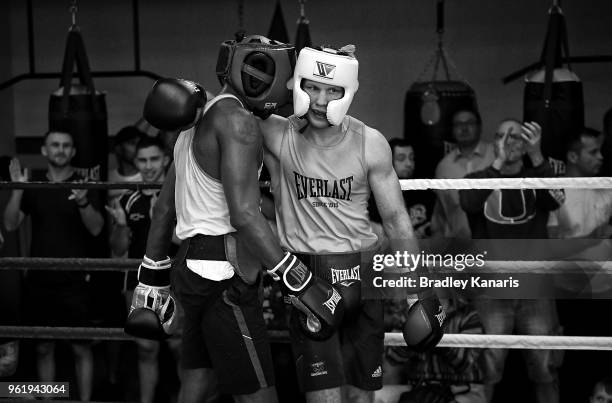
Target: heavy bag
<point>428,113</point>
<point>81,110</point>
<point>86,119</point>
<point>562,118</point>
<point>553,95</point>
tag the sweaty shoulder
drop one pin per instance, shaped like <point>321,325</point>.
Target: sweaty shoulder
<point>272,130</point>
<point>231,121</point>
<point>376,147</point>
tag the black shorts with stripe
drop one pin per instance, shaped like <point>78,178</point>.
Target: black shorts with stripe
<point>353,355</point>
<point>229,336</point>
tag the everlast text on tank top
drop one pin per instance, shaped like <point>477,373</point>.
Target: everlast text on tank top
<point>201,207</point>
<point>322,198</point>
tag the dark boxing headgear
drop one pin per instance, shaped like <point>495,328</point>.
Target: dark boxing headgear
<point>257,68</point>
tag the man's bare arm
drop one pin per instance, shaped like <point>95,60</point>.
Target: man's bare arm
<point>241,147</point>
<point>388,194</point>
<point>272,130</point>
<point>162,221</point>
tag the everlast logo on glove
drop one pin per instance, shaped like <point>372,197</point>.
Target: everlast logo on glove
<point>441,315</point>
<point>297,276</point>
<point>332,303</point>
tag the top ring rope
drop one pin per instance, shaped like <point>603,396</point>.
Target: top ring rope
<point>508,183</point>
<point>406,184</point>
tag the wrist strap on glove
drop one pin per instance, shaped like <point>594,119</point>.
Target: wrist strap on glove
<point>155,273</point>
<point>295,275</point>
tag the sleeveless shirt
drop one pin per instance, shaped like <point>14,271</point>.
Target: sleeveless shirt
<point>201,207</point>
<point>322,193</point>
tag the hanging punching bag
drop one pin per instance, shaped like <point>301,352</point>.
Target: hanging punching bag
<point>302,35</point>
<point>428,113</point>
<point>429,109</point>
<point>553,95</point>
<point>81,111</point>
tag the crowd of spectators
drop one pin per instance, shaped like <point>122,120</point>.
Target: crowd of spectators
<point>69,223</point>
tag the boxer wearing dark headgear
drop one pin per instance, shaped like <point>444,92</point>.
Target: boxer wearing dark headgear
<point>213,191</point>
<point>323,165</point>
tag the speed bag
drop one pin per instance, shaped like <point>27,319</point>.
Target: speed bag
<point>562,118</point>
<point>428,113</point>
<point>85,117</point>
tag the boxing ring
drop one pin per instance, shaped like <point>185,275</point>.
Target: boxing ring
<point>391,339</point>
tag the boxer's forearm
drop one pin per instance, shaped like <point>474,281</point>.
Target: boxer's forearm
<point>259,238</point>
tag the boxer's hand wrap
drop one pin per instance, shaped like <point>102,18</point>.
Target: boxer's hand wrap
<point>153,309</point>
<point>318,300</point>
<point>172,104</point>
<point>424,319</point>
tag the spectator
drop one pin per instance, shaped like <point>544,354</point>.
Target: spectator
<point>168,138</point>
<point>109,285</point>
<point>602,391</point>
<point>131,214</point>
<point>516,214</point>
<point>64,224</point>
<point>585,214</point>
<point>455,372</point>
<point>10,287</point>
<point>607,144</point>
<point>471,155</point>
<point>124,148</point>
<point>419,203</point>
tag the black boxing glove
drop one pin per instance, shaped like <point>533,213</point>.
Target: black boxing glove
<point>350,291</point>
<point>422,329</point>
<point>320,303</point>
<point>173,104</point>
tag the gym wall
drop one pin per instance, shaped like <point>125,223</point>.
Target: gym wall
<point>395,39</point>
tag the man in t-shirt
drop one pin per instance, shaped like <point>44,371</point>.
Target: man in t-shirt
<point>64,224</point>
<point>472,154</point>
<point>131,214</point>
<point>124,148</point>
<point>419,203</point>
<point>585,215</point>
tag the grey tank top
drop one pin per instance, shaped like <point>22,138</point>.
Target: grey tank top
<point>322,193</point>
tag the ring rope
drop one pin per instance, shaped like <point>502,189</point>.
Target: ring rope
<point>491,266</point>
<point>69,264</point>
<point>391,338</point>
<point>530,342</point>
<point>27,398</point>
<point>508,183</point>
<point>599,182</point>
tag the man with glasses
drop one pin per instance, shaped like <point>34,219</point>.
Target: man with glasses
<point>471,155</point>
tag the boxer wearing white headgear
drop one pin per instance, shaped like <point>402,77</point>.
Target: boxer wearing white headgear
<point>327,66</point>
<point>324,164</point>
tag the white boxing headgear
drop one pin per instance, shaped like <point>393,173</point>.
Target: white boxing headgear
<point>326,66</point>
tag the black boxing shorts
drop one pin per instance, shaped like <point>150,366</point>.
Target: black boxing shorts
<point>230,337</point>
<point>353,355</point>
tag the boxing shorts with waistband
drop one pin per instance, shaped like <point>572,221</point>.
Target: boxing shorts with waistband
<point>353,355</point>
<point>230,337</point>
